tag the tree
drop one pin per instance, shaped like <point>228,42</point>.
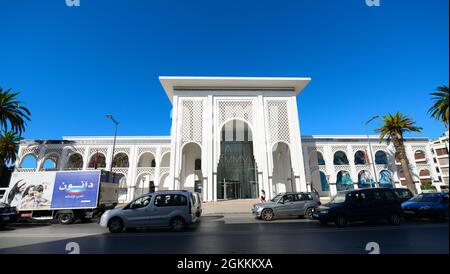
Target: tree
<point>392,128</point>
<point>9,147</point>
<point>12,114</point>
<point>439,110</point>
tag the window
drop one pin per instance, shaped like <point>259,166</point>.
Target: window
<point>360,158</point>
<point>358,198</point>
<point>339,198</point>
<point>98,160</point>
<point>305,197</point>
<point>343,181</point>
<point>198,164</point>
<point>403,194</point>
<point>140,202</point>
<point>388,196</point>
<point>340,158</point>
<point>288,198</point>
<point>377,197</point>
<point>381,158</point>
<point>316,158</point>
<point>170,200</point>
<point>420,157</point>
<point>441,151</point>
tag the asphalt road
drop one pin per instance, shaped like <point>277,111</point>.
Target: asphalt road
<point>231,234</point>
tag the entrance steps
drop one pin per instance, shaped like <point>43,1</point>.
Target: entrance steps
<point>229,206</point>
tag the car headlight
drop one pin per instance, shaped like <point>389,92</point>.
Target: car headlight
<point>323,212</point>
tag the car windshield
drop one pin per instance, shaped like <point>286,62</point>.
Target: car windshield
<point>426,197</point>
<point>276,198</point>
<point>338,198</point>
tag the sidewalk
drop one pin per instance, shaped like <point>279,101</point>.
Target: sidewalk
<point>235,206</point>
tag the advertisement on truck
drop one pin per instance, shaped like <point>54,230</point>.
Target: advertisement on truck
<point>54,190</point>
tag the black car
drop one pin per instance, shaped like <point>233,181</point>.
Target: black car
<point>361,205</point>
<point>8,214</point>
<point>403,194</point>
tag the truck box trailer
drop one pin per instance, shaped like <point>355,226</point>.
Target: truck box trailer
<point>65,196</point>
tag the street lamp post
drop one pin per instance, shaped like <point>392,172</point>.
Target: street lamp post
<point>370,149</point>
<point>109,116</point>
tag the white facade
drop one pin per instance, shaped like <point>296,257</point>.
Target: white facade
<point>440,148</point>
<point>210,114</point>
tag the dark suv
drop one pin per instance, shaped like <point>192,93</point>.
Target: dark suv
<point>361,205</point>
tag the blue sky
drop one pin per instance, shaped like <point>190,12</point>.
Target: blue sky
<point>74,65</point>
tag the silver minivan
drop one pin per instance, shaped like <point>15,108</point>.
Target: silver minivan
<point>287,204</point>
<point>175,209</point>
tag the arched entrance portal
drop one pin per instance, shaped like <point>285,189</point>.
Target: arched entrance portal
<point>237,170</point>
<point>191,171</point>
<point>282,176</point>
<point>144,184</point>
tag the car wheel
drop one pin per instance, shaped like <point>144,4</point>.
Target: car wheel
<point>395,219</point>
<point>267,215</point>
<point>340,221</point>
<point>65,218</point>
<point>309,213</point>
<point>115,225</point>
<point>177,224</point>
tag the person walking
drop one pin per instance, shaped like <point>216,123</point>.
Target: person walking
<point>262,198</point>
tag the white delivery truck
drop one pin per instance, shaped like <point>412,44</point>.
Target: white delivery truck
<point>65,196</point>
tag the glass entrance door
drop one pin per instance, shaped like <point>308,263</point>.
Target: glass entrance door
<point>236,171</point>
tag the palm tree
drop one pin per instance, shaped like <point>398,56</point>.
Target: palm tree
<point>440,108</point>
<point>12,114</point>
<point>9,147</point>
<point>392,128</point>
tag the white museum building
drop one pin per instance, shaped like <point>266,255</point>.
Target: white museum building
<point>232,137</point>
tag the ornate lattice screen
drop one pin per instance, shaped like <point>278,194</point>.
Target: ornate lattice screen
<point>235,109</point>
<point>192,121</point>
<point>277,111</point>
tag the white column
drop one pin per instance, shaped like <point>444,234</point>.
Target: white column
<point>262,142</point>
<point>19,159</point>
<point>351,161</point>
<point>208,150</point>
<point>131,178</point>
<point>296,153</point>
<point>174,141</point>
<point>86,157</point>
<point>331,174</point>
<point>63,159</point>
<point>40,160</point>
<point>157,175</point>
<point>109,158</point>
<point>308,175</point>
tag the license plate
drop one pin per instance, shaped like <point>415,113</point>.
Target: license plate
<point>6,218</point>
<point>408,212</point>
